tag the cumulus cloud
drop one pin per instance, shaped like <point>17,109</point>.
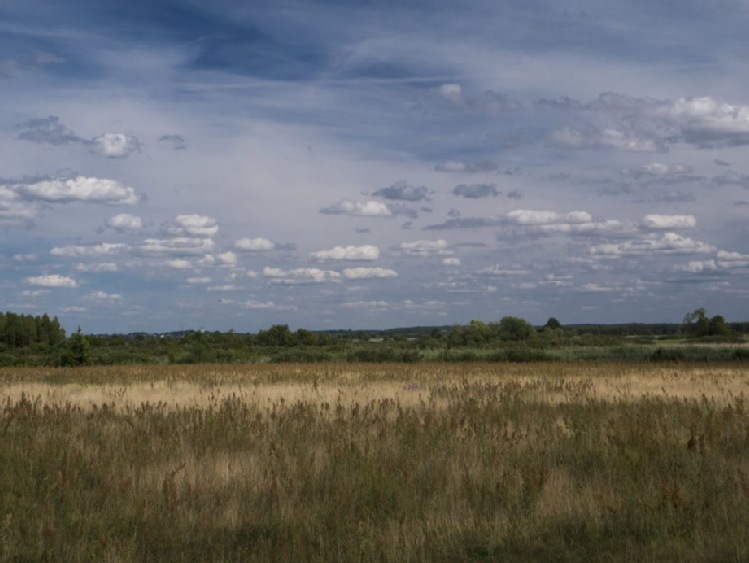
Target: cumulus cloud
<point>100,267</point>
<point>104,297</point>
<point>258,243</point>
<point>252,304</point>
<point>669,221</point>
<point>176,246</point>
<point>54,280</point>
<point>401,191</point>
<point>499,271</point>
<point>300,275</point>
<point>731,260</point>
<point>667,243</point>
<point>466,167</point>
<point>101,249</point>
<point>528,217</point>
<point>697,266</point>
<point>368,273</point>
<point>354,253</point>
<point>706,123</point>
<point>425,248</point>
<point>657,169</point>
<point>452,93</point>
<point>572,222</point>
<point>192,225</point>
<point>115,145</point>
<point>475,191</point>
<point>80,188</point>
<point>356,208</point>
<point>605,139</point>
<point>227,259</point>
<point>125,223</point>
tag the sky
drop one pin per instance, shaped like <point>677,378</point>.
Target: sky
<point>173,164</point>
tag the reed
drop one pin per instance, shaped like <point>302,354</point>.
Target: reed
<point>375,462</point>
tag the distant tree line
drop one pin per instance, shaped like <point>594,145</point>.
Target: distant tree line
<point>18,331</point>
<point>40,340</point>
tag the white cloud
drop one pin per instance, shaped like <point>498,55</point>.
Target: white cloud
<point>707,123</point>
<point>451,262</point>
<point>252,304</point>
<point>499,271</point>
<point>177,245</point>
<point>358,253</point>
<point>125,222</point>
<point>669,221</point>
<point>605,139</point>
<point>54,280</point>
<point>199,280</point>
<point>227,259</point>
<point>730,260</point>
<point>368,273</point>
<point>179,264</point>
<point>80,188</point>
<point>102,249</point>
<point>101,267</point>
<point>468,167</point>
<point>104,297</point>
<point>573,222</point>
<point>667,243</point>
<point>34,292</point>
<point>425,248</point>
<point>657,169</point>
<point>115,145</point>
<point>453,93</point>
<point>376,305</point>
<point>697,266</point>
<point>360,209</point>
<point>193,225</point>
<point>300,275</point>
<point>258,243</point>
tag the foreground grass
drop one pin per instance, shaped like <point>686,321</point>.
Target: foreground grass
<point>545,462</point>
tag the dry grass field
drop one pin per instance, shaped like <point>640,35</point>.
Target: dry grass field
<point>375,462</point>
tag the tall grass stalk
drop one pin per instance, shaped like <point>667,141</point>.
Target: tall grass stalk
<point>397,463</point>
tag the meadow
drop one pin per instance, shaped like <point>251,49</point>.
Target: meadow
<point>391,462</point>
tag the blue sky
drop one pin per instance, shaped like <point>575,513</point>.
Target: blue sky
<point>169,165</point>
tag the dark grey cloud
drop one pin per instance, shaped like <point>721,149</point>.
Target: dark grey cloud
<point>476,191</point>
<point>47,130</point>
<point>515,194</point>
<point>177,141</point>
<point>401,191</point>
<point>732,179</point>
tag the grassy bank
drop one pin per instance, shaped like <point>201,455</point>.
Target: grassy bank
<point>375,462</point>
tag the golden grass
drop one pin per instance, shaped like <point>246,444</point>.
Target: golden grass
<point>202,386</point>
<point>375,462</point>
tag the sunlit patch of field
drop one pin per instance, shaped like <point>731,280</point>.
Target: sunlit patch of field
<point>375,462</point>
<point>202,386</point>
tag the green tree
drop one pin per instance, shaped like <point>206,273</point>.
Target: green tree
<point>553,324</point>
<point>515,329</point>
<point>277,335</point>
<point>77,350</point>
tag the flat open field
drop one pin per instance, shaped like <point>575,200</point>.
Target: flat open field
<point>375,462</point>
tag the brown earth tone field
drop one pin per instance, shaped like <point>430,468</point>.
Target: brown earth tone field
<point>375,462</point>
